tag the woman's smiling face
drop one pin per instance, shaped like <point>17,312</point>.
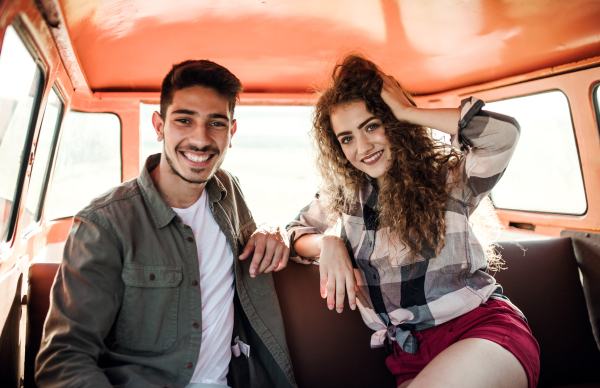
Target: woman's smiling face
<point>362,137</point>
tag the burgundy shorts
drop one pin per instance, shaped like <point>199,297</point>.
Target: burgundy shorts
<point>494,321</point>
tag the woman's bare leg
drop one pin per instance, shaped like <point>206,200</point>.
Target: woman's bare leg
<point>472,363</point>
<point>405,384</point>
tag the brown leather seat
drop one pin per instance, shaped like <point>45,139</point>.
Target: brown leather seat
<point>327,349</point>
<point>330,349</point>
<point>41,278</point>
<point>542,279</point>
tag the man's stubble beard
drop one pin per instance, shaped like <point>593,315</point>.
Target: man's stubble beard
<point>194,170</point>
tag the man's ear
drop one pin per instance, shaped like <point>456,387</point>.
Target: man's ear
<point>159,126</point>
<point>233,130</point>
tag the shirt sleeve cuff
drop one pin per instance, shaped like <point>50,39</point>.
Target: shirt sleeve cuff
<point>294,234</point>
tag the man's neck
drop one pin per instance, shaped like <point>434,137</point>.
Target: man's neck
<point>173,189</point>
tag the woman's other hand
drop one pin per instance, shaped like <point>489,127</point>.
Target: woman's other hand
<point>337,275</point>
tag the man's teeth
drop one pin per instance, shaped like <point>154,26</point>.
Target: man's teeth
<point>372,158</point>
<point>197,158</point>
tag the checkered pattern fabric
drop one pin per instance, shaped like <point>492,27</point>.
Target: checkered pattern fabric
<point>396,298</point>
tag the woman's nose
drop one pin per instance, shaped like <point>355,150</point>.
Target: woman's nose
<point>364,144</point>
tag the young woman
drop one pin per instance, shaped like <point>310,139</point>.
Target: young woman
<point>390,226</point>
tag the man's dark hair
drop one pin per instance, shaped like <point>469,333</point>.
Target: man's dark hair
<point>199,73</point>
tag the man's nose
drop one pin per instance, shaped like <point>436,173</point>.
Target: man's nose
<point>199,136</point>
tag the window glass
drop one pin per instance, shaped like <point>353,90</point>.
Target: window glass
<point>88,162</point>
<point>271,156</point>
<point>20,80</point>
<point>597,103</point>
<point>544,174</point>
<point>43,160</point>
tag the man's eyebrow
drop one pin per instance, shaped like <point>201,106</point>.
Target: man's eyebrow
<point>194,113</point>
<point>218,116</point>
<point>366,121</point>
<point>185,112</point>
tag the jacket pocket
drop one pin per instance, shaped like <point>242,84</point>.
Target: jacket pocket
<point>148,317</point>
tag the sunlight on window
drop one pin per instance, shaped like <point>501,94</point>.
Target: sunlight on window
<point>19,83</point>
<point>88,162</point>
<point>544,174</point>
<point>42,162</point>
<point>271,156</point>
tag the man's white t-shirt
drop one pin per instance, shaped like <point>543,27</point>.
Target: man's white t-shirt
<point>217,288</point>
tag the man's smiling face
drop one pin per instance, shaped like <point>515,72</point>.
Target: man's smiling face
<point>197,130</point>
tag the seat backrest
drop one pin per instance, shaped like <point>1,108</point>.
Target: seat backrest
<point>542,279</point>
<point>330,349</point>
<point>41,278</point>
<point>327,349</point>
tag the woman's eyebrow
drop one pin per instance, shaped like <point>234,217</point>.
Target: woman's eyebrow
<point>366,121</point>
<point>343,134</point>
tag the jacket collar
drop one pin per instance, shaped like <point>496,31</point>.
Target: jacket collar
<point>161,213</point>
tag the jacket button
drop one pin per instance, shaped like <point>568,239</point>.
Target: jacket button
<point>178,220</point>
<point>152,277</point>
<point>195,325</point>
<point>189,365</point>
<point>194,282</point>
<point>190,239</point>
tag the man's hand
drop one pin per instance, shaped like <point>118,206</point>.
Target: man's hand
<point>271,250</point>
<point>337,275</point>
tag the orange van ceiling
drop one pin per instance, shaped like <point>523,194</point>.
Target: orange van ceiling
<point>287,46</point>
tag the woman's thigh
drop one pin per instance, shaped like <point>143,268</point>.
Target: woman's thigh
<point>492,328</point>
<point>473,362</point>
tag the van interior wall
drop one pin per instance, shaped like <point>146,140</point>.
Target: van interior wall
<point>577,81</point>
<point>17,254</point>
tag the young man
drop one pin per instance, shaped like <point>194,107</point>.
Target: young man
<point>150,292</point>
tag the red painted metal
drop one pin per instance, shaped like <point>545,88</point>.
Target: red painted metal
<point>286,46</point>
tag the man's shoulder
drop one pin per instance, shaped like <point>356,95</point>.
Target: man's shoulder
<point>229,181</point>
<point>234,201</point>
<point>120,196</point>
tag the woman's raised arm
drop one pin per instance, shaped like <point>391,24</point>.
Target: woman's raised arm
<point>445,119</point>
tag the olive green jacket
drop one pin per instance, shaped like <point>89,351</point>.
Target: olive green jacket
<point>126,297</point>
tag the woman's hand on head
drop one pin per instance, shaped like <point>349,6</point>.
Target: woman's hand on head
<point>443,119</point>
<point>337,275</point>
<point>393,95</point>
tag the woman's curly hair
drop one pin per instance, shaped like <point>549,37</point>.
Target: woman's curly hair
<point>413,198</point>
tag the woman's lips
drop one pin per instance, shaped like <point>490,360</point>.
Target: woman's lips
<point>372,158</point>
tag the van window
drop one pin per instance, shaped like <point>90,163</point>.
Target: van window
<point>271,156</point>
<point>88,162</point>
<point>596,98</point>
<point>544,174</point>
<point>20,83</point>
<point>42,165</point>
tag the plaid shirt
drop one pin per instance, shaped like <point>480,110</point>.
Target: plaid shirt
<point>394,297</point>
